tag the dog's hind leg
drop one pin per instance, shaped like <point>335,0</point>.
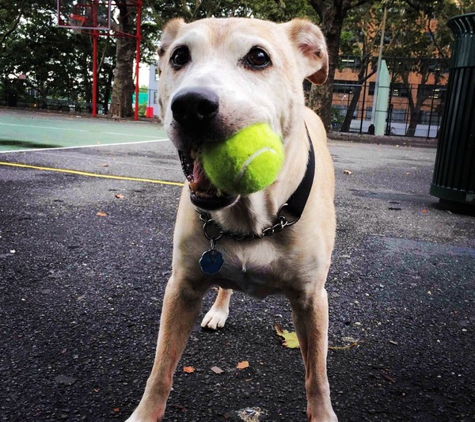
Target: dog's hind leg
<point>181,306</point>
<point>310,318</point>
<point>218,313</point>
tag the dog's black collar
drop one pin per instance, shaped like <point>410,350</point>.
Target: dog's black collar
<point>296,203</point>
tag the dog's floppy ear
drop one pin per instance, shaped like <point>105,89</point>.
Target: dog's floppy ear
<point>169,34</point>
<point>310,42</point>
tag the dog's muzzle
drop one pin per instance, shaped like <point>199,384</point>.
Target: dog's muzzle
<point>194,112</point>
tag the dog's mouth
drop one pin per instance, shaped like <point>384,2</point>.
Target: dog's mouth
<point>203,194</point>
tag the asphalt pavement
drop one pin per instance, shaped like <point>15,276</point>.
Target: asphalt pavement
<point>84,261</point>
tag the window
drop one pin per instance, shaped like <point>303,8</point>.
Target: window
<point>344,87</point>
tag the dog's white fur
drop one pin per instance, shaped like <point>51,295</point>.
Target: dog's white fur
<point>294,262</point>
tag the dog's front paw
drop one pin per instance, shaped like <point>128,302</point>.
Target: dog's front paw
<point>323,415</point>
<point>136,418</point>
<point>141,415</point>
<point>215,318</point>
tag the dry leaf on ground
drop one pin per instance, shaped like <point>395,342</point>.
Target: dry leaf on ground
<point>217,370</point>
<point>348,346</point>
<point>290,338</point>
<point>243,365</point>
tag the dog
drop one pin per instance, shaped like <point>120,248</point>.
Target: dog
<point>218,76</point>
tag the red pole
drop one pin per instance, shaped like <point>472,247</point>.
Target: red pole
<point>95,36</point>
<point>137,57</point>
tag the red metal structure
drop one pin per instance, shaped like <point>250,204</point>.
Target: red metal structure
<point>96,18</point>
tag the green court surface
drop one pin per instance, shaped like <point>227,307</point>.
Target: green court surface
<point>20,131</point>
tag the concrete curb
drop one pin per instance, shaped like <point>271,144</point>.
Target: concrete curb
<point>384,140</point>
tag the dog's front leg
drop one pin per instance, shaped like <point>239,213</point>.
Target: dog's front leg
<point>310,316</point>
<point>181,306</point>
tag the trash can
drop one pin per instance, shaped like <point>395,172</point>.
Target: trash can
<point>454,173</point>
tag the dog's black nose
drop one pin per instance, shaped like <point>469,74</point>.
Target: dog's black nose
<point>195,106</point>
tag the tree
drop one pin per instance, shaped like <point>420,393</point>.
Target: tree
<point>415,33</point>
<point>361,35</point>
<point>10,15</point>
<point>332,14</point>
<point>121,105</point>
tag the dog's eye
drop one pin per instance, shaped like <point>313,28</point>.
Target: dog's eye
<point>180,57</point>
<point>257,58</point>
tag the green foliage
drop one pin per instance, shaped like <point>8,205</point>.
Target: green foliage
<point>142,109</point>
<point>275,10</point>
<point>57,63</point>
<point>337,118</point>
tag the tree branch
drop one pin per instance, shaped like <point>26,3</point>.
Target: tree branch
<point>318,6</point>
<point>432,36</point>
<point>358,3</point>
<point>14,23</point>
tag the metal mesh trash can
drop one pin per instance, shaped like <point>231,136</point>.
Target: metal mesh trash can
<point>454,173</point>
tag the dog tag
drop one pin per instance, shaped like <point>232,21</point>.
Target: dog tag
<point>211,261</point>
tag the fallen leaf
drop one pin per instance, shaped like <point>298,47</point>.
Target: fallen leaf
<point>387,377</point>
<point>217,370</point>
<point>347,172</point>
<point>119,196</point>
<point>101,214</point>
<point>243,365</point>
<point>348,346</point>
<point>290,338</point>
<point>188,369</point>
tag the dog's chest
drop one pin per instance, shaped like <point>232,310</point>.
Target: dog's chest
<point>251,270</point>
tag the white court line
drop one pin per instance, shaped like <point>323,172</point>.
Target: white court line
<point>82,146</point>
<point>73,130</point>
<point>44,127</point>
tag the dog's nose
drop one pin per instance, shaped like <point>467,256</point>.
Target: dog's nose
<point>195,106</point>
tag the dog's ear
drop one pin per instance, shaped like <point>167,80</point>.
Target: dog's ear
<point>310,42</point>
<point>169,34</point>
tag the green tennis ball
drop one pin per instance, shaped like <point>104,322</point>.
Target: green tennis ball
<point>247,162</point>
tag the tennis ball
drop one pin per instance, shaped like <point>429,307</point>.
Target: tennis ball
<point>247,162</point>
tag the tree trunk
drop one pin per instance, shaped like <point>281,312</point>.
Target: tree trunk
<point>345,127</point>
<point>121,105</point>
<point>411,130</point>
<point>332,13</point>
<point>321,97</point>
<point>415,108</point>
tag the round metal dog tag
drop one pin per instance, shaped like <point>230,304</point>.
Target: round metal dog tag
<point>211,261</point>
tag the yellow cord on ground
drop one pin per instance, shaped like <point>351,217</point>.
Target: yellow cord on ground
<point>83,173</point>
